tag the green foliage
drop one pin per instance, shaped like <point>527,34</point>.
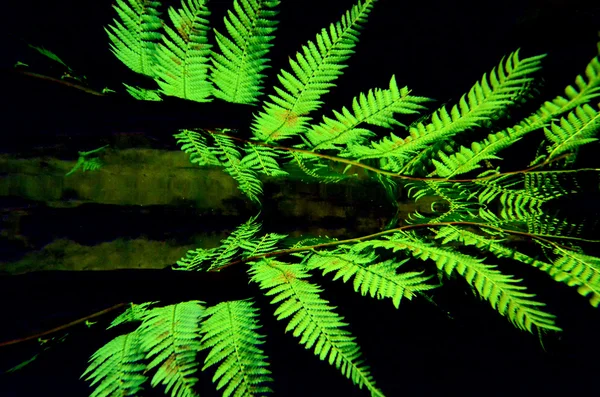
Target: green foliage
<point>118,367</point>
<point>378,279</point>
<point>230,332</point>
<point>135,35</point>
<point>313,72</point>
<point>468,233</point>
<point>169,337</point>
<point>88,161</point>
<point>167,340</point>
<point>237,69</point>
<point>312,319</point>
<point>180,64</point>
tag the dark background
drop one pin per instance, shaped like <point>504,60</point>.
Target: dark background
<point>439,49</point>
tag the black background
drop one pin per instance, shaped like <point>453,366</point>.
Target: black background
<point>439,49</point>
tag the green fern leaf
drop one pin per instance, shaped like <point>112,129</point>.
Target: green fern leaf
<point>262,159</point>
<point>466,159</point>
<point>587,88</point>
<point>261,245</point>
<point>314,71</point>
<point>170,336</point>
<point>133,38</point>
<point>194,144</point>
<point>377,107</point>
<point>572,268</point>
<point>315,168</point>
<point>118,367</point>
<point>578,270</point>
<point>208,259</point>
<point>312,319</point>
<point>576,129</point>
<point>182,61</point>
<point>134,313</point>
<point>377,279</point>
<point>237,70</point>
<point>489,97</point>
<point>226,151</point>
<point>229,330</point>
<point>143,94</point>
<point>498,288</point>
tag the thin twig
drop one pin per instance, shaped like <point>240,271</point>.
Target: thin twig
<point>61,327</point>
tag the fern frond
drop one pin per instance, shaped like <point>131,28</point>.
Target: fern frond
<point>208,259</point>
<point>143,94</point>
<point>587,88</point>
<point>194,144</point>
<point>118,367</point>
<point>312,319</point>
<point>182,60</point>
<point>314,71</point>
<point>574,97</point>
<point>262,159</point>
<point>576,129</point>
<point>134,38</point>
<point>377,279</point>
<point>261,245</point>
<point>237,69</point>
<point>377,107</point>
<point>226,151</point>
<point>572,268</point>
<point>497,288</point>
<point>577,270</point>
<point>230,331</point>
<point>315,168</point>
<point>170,336</point>
<point>134,313</point>
<point>487,98</point>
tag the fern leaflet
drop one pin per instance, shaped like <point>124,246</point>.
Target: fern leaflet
<point>134,38</point>
<point>230,331</point>
<point>182,61</point>
<point>312,319</point>
<point>118,367</point>
<point>237,70</point>
<point>375,278</point>
<point>314,70</point>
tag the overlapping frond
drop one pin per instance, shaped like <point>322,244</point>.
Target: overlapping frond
<point>170,336</point>
<point>501,290</point>
<point>377,107</point>
<point>311,167</point>
<point>579,270</point>
<point>263,159</point>
<point>229,330</point>
<point>378,279</point>
<point>134,313</point>
<point>491,96</point>
<point>118,367</point>
<point>237,72</point>
<point>195,144</point>
<point>143,94</point>
<point>311,318</point>
<point>134,37</point>
<point>222,151</point>
<point>578,128</point>
<point>182,60</point>
<point>207,259</point>
<point>569,267</point>
<point>314,70</point>
<point>587,88</point>
<point>229,155</point>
